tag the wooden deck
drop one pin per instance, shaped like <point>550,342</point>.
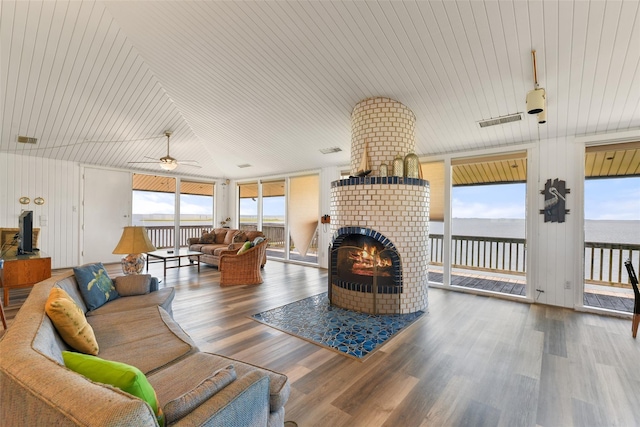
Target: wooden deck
<point>591,299</point>
<point>470,361</point>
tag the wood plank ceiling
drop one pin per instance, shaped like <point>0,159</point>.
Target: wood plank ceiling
<point>269,84</point>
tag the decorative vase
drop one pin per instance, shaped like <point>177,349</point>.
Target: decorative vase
<point>411,166</point>
<point>398,166</point>
<point>383,170</point>
<point>132,263</point>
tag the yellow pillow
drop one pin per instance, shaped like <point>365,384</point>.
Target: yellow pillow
<point>70,322</point>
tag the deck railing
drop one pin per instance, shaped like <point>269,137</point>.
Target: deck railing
<point>604,262</point>
<point>494,254</point>
<point>163,236</point>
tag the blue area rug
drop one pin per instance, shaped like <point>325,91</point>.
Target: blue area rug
<point>349,332</point>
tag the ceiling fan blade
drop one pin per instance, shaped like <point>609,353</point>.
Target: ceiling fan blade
<point>188,161</point>
<point>156,162</point>
<point>191,166</point>
<point>150,158</point>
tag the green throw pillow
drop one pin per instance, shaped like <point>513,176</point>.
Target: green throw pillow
<point>95,285</point>
<point>244,248</point>
<point>126,377</point>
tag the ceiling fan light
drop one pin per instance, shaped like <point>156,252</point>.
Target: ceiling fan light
<point>535,101</point>
<point>168,166</point>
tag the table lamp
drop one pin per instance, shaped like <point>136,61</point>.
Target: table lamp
<point>133,243</point>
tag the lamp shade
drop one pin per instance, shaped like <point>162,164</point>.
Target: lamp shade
<point>134,240</point>
<point>535,101</point>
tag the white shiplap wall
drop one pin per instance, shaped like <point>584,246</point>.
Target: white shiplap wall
<point>556,264</point>
<point>58,182</point>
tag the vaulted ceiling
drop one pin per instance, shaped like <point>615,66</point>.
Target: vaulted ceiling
<point>271,83</point>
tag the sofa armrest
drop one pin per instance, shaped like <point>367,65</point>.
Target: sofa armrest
<point>227,252</point>
<point>154,285</point>
<point>193,240</point>
<point>244,402</point>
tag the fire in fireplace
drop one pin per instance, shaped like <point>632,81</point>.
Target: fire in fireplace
<point>360,258</point>
<point>359,261</point>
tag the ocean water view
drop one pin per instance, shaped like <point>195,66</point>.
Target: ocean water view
<point>602,231</point>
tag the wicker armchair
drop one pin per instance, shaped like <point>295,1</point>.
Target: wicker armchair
<point>243,269</point>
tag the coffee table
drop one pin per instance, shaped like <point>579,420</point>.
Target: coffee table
<point>165,255</point>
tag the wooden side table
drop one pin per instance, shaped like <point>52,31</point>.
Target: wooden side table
<point>22,271</point>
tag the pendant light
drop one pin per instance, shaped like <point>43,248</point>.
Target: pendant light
<point>536,98</point>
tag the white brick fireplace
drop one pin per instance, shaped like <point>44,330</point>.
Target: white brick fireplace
<point>388,217</point>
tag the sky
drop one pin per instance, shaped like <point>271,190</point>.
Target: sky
<point>613,198</point>
<point>605,199</point>
<point>147,202</point>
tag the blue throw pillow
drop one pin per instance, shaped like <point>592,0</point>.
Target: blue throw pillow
<point>95,285</point>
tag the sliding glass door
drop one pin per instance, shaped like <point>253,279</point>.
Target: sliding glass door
<point>488,227</point>
<point>154,206</point>
<point>304,208</point>
<point>196,209</point>
<point>274,207</point>
<point>248,206</point>
<point>287,211</point>
<point>612,225</point>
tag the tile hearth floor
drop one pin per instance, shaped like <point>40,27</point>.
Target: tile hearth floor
<point>352,333</point>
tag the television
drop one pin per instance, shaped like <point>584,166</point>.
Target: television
<point>25,235</point>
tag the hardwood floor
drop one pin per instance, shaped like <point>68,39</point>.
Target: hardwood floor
<point>470,361</point>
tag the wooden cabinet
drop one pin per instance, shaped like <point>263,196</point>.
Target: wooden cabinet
<point>21,271</point>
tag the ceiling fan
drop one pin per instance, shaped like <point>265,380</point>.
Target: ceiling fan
<point>169,163</point>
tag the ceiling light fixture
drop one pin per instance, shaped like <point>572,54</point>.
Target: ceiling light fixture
<point>168,163</point>
<point>542,117</point>
<point>500,120</point>
<point>536,98</point>
<point>27,139</point>
<point>330,150</point>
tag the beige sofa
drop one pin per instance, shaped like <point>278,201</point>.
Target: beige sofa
<point>218,240</point>
<point>37,389</point>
